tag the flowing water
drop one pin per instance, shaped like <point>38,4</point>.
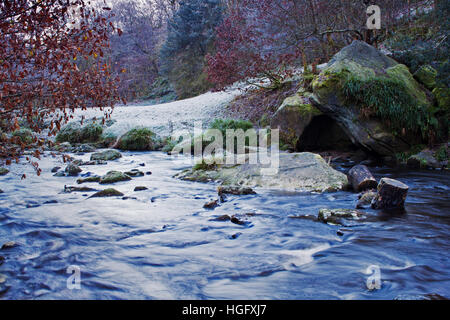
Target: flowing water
<point>161,243</point>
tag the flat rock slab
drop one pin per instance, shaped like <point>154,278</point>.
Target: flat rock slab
<point>301,172</point>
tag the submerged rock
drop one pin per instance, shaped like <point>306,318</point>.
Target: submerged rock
<point>424,159</point>
<point>107,193</point>
<point>89,179</point>
<point>237,191</point>
<point>366,199</point>
<point>338,216</point>
<point>304,172</point>
<point>211,205</point>
<point>72,170</point>
<point>3,171</point>
<point>78,189</point>
<point>9,245</point>
<point>107,155</point>
<point>113,177</point>
<point>135,173</point>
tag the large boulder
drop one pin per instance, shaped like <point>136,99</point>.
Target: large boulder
<point>304,172</point>
<point>374,99</point>
<point>293,116</point>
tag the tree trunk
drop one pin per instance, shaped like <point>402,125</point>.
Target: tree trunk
<point>391,194</point>
<point>361,178</point>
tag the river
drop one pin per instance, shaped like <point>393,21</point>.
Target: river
<point>161,243</point>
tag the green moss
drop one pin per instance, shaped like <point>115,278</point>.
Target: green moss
<point>113,177</point>
<point>395,98</point>
<point>443,98</point>
<point>25,135</point>
<point>138,139</point>
<point>107,193</point>
<point>224,124</point>
<point>75,133</point>
<point>426,75</point>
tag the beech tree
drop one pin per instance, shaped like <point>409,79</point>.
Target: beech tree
<point>50,64</point>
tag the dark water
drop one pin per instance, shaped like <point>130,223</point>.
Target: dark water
<point>164,245</point>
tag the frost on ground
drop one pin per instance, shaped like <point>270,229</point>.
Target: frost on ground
<point>161,118</point>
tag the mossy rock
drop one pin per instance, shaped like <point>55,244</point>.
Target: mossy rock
<point>113,177</point>
<point>25,135</point>
<point>304,172</point>
<point>89,179</point>
<point>138,139</point>
<point>72,170</point>
<point>107,193</point>
<point>427,76</point>
<point>3,171</point>
<point>424,159</point>
<point>338,216</point>
<point>107,155</point>
<point>74,132</point>
<point>443,98</point>
<point>374,99</point>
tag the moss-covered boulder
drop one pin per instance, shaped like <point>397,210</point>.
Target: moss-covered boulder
<point>303,172</point>
<point>107,155</point>
<point>377,101</point>
<point>3,171</point>
<point>72,170</point>
<point>139,139</point>
<point>293,116</point>
<point>427,76</point>
<point>107,193</point>
<point>113,177</point>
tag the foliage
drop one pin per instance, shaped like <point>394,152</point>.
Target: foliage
<point>50,65</point>
<point>389,100</point>
<point>138,139</point>
<point>75,133</point>
<point>270,38</point>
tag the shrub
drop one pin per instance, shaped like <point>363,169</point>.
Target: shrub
<point>138,139</point>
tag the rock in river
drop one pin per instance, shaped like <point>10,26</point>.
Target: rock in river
<point>73,170</point>
<point>338,216</point>
<point>113,177</point>
<point>304,172</point>
<point>107,193</point>
<point>3,171</point>
<point>107,155</point>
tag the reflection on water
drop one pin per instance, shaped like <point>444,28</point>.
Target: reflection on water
<point>161,243</point>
